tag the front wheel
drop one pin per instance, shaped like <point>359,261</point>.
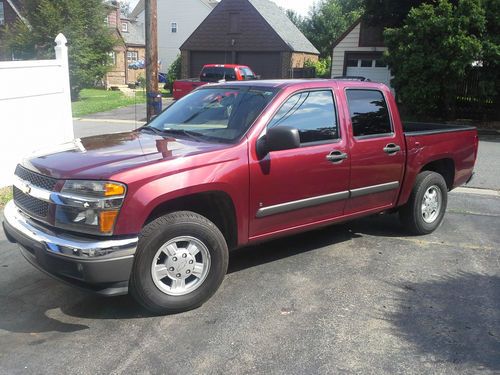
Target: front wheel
<point>424,211</point>
<point>180,262</point>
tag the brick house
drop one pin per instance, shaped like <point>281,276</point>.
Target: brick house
<point>251,32</point>
<point>129,53</point>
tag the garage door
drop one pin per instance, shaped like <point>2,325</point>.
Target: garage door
<point>198,59</point>
<point>373,69</point>
<point>265,64</point>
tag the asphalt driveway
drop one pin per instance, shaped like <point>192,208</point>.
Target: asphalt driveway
<point>354,298</point>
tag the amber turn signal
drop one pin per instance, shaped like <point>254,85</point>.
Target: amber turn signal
<point>107,221</point>
<point>112,189</point>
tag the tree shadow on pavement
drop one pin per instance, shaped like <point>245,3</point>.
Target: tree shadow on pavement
<point>454,319</point>
<point>34,308</point>
<point>376,225</point>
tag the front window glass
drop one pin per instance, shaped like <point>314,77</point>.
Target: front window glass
<point>220,114</point>
<point>312,113</point>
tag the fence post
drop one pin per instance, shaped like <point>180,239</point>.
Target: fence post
<point>62,57</point>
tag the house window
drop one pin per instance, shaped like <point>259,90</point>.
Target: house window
<point>366,63</point>
<point>173,27</point>
<point>125,27</point>
<point>352,63</point>
<point>112,56</point>
<point>132,56</point>
<point>2,15</point>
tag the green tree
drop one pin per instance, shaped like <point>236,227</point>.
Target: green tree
<point>296,18</point>
<point>90,42</point>
<point>431,53</point>
<point>174,72</point>
<point>327,20</point>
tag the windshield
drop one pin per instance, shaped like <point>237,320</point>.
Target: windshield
<point>220,114</point>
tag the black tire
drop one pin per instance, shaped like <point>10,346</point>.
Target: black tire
<point>411,213</point>
<point>159,232</point>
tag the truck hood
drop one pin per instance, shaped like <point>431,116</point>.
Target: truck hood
<point>100,157</point>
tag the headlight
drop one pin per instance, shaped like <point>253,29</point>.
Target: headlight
<point>89,206</point>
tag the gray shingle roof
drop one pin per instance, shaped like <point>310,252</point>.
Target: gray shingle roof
<point>285,28</point>
<point>135,34</point>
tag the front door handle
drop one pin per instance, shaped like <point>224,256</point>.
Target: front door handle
<point>391,148</point>
<point>336,156</point>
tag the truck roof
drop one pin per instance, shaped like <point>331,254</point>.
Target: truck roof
<point>301,83</point>
<point>230,66</point>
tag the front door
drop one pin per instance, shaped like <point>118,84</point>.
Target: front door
<point>377,152</point>
<point>299,187</point>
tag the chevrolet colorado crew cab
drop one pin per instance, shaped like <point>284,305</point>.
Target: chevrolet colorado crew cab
<point>155,211</point>
<point>212,73</point>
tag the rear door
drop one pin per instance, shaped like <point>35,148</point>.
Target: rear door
<point>377,151</point>
<point>294,188</point>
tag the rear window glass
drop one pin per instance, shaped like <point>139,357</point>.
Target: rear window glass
<point>215,74</point>
<point>369,113</point>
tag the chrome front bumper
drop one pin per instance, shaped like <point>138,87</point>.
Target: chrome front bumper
<point>101,265</point>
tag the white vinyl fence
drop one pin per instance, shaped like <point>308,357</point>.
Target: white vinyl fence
<point>35,107</point>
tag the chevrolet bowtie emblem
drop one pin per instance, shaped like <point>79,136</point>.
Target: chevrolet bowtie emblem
<point>25,188</point>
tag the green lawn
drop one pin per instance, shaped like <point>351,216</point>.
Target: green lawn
<point>5,196</point>
<point>99,100</point>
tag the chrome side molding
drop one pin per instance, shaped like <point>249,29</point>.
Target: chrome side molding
<point>322,199</point>
<point>302,203</point>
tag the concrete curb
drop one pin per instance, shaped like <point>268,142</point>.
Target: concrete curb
<point>138,122</point>
<point>476,191</point>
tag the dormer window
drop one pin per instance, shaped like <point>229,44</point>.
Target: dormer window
<point>125,27</point>
<point>173,27</point>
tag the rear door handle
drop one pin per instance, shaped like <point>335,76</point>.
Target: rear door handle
<point>391,148</point>
<point>336,156</point>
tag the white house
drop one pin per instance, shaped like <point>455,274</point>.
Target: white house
<point>176,21</point>
<point>358,52</point>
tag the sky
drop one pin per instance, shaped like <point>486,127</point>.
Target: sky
<point>300,6</point>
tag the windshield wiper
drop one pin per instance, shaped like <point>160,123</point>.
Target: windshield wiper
<point>191,134</point>
<point>150,128</point>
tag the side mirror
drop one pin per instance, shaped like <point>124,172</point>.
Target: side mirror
<point>278,138</point>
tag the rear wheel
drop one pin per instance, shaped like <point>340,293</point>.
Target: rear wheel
<point>180,262</point>
<point>424,211</point>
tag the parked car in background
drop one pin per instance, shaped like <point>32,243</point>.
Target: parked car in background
<point>155,211</point>
<point>212,73</point>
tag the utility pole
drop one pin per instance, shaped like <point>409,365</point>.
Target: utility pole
<point>152,92</point>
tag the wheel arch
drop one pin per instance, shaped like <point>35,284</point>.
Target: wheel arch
<point>216,205</point>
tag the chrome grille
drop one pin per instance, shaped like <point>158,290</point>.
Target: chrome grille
<point>30,205</point>
<point>36,179</point>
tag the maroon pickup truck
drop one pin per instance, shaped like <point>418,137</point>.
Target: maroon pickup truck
<point>155,211</point>
<point>213,73</point>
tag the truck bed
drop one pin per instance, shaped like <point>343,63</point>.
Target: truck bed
<point>425,128</point>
